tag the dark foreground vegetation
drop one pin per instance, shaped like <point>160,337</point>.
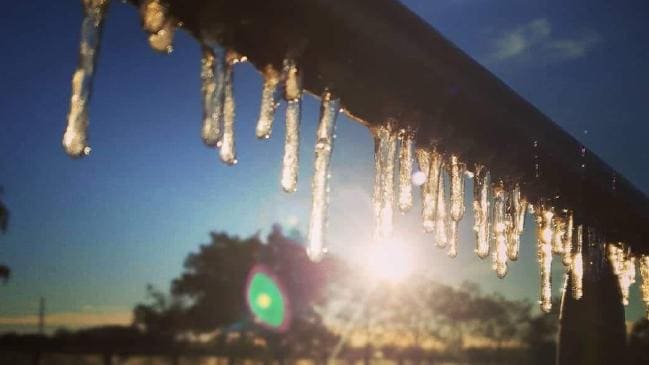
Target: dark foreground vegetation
<point>335,313</point>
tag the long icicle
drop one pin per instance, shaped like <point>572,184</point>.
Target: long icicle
<point>644,285</point>
<point>212,77</point>
<point>320,186</point>
<point>430,164</point>
<point>269,102</point>
<point>517,210</point>
<point>577,265</point>
<point>228,150</point>
<point>558,234</point>
<point>623,265</point>
<point>406,146</point>
<point>75,138</point>
<point>457,203</point>
<point>544,255</point>
<point>293,95</point>
<point>383,200</point>
<point>441,223</point>
<point>567,239</point>
<point>481,210</point>
<point>499,231</point>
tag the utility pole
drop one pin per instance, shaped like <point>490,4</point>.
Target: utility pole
<point>41,316</point>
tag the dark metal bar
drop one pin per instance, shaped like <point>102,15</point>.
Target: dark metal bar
<point>384,62</point>
<point>592,329</point>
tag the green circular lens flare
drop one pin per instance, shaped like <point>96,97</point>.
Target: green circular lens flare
<point>266,299</point>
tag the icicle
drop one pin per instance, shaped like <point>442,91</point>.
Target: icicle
<point>441,223</point>
<point>153,15</point>
<point>228,150</point>
<point>75,139</point>
<point>577,265</point>
<point>517,209</point>
<point>544,255</point>
<point>385,153</point>
<point>406,144</point>
<point>430,164</point>
<point>623,265</point>
<point>292,80</point>
<point>293,96</point>
<point>499,231</point>
<point>628,278</point>
<point>458,170</point>
<point>567,240</point>
<point>558,233</point>
<point>320,186</point>
<point>212,77</point>
<point>481,210</point>
<point>160,26</point>
<point>269,102</point>
<point>644,286</point>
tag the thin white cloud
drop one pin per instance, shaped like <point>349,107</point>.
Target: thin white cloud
<point>535,40</point>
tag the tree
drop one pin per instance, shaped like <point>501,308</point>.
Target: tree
<point>208,297</point>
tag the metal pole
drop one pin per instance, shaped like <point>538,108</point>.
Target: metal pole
<point>592,329</point>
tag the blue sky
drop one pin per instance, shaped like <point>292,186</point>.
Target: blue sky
<point>90,234</point>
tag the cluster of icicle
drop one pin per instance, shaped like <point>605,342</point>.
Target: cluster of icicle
<point>499,209</point>
<point>499,213</point>
<point>623,263</point>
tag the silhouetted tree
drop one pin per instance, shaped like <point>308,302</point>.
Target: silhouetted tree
<point>208,297</point>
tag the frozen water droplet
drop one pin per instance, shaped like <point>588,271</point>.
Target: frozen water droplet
<point>544,255</point>
<point>577,265</point>
<point>499,255</point>
<point>385,139</point>
<point>644,285</point>
<point>481,210</point>
<point>75,139</point>
<point>228,149</point>
<point>290,161</point>
<point>406,148</point>
<point>320,185</point>
<point>212,78</point>
<point>430,165</point>
<point>269,102</point>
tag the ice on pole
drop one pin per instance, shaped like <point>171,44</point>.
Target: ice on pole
<point>212,78</point>
<point>384,190</point>
<point>293,96</point>
<point>481,210</point>
<point>320,186</point>
<point>75,137</point>
<point>406,148</point>
<point>269,102</point>
<point>457,171</point>
<point>544,255</point>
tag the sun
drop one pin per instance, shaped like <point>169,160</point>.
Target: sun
<point>389,261</point>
